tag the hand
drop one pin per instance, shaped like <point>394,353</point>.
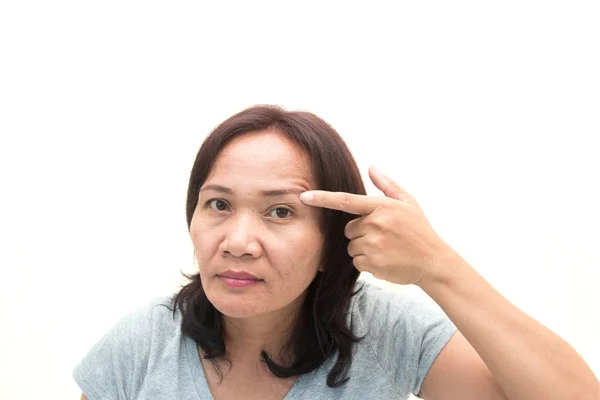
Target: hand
<point>392,239</point>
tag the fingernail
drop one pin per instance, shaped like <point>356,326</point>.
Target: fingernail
<point>307,196</point>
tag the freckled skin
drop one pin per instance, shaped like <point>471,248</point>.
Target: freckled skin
<point>249,235</point>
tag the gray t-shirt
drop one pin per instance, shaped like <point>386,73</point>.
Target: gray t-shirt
<point>145,356</point>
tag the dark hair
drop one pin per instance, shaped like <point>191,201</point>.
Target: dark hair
<point>321,328</point>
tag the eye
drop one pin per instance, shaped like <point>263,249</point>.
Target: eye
<point>217,204</point>
<point>281,213</point>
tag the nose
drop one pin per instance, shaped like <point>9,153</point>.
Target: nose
<point>241,239</point>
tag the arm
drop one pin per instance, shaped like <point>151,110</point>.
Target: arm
<point>394,241</point>
<point>525,359</point>
<point>83,397</point>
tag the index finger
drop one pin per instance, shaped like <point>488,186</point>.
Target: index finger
<point>348,202</point>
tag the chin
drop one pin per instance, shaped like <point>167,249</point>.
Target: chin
<point>235,313</point>
<point>235,306</point>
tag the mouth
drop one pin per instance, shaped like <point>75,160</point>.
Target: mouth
<point>238,279</point>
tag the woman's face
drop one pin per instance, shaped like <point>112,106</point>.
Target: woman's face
<point>257,245</point>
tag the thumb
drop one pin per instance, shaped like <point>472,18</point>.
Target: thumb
<point>387,186</point>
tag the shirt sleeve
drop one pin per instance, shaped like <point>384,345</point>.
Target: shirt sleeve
<point>406,331</point>
<point>110,367</point>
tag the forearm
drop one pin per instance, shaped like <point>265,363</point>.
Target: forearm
<point>527,359</point>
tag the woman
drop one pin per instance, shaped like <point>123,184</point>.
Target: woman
<point>281,227</point>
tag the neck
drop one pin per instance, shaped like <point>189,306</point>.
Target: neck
<point>246,338</point>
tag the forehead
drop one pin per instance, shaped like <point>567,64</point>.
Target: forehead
<point>263,155</point>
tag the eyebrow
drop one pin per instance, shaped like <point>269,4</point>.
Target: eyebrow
<point>266,193</point>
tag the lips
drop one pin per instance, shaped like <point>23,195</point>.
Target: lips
<point>238,280</point>
<point>240,275</point>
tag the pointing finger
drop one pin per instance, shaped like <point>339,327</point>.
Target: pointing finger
<point>351,203</point>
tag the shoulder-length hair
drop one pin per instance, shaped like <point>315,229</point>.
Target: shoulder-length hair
<point>321,328</point>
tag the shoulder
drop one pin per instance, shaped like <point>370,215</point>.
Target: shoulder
<point>138,325</point>
<point>402,327</point>
<point>157,313</point>
<point>152,318</point>
<point>122,352</point>
<point>379,304</point>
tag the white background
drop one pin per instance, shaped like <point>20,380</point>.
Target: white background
<point>487,112</point>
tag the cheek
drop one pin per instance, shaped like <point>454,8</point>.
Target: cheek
<point>205,242</point>
<point>300,256</point>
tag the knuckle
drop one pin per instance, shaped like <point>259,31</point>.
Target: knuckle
<point>350,248</point>
<point>380,221</point>
<point>395,192</point>
<point>350,228</point>
<point>372,242</point>
<point>358,263</point>
<point>344,200</point>
<point>347,229</point>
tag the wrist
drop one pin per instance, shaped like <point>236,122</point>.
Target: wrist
<point>442,269</point>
